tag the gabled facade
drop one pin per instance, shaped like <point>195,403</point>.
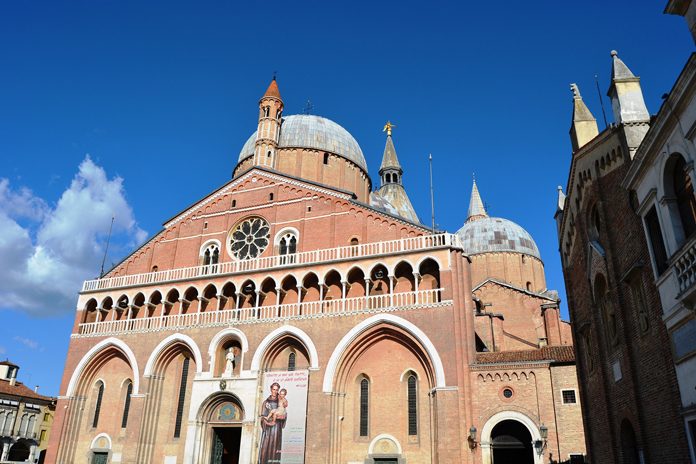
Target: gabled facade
<point>293,315</point>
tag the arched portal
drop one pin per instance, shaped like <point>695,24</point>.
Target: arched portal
<point>511,443</point>
<point>510,437</point>
<point>219,434</point>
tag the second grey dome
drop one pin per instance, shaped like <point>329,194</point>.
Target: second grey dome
<point>491,234</point>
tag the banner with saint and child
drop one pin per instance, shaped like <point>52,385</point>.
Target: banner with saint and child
<point>283,416</point>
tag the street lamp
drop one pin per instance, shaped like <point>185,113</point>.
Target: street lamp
<point>541,444</point>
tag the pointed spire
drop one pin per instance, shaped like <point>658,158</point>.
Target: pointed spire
<point>272,90</point>
<point>584,125</point>
<point>476,208</point>
<point>389,158</point>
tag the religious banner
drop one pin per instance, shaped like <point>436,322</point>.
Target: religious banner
<point>283,416</point>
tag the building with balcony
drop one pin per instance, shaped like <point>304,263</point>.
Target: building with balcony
<point>297,315</point>
<point>25,419</point>
<point>625,229</point>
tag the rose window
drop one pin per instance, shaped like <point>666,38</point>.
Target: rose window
<point>250,238</point>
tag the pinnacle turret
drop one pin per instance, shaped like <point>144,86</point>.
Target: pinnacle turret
<point>584,125</point>
<point>268,131</point>
<point>626,94</point>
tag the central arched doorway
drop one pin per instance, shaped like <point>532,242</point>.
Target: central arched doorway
<point>219,432</point>
<point>511,443</point>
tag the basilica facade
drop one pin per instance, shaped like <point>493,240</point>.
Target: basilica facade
<point>297,314</point>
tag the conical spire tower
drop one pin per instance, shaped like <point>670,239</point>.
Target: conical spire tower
<point>391,173</point>
<point>476,208</point>
<point>390,170</point>
<point>268,132</point>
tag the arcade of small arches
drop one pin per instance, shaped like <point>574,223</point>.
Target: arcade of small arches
<point>379,279</point>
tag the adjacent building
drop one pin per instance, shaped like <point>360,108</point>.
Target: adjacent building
<point>626,234</point>
<point>25,418</point>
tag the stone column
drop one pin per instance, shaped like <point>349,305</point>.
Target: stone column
<point>5,451</point>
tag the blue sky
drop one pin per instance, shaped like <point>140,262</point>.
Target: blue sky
<point>140,108</point>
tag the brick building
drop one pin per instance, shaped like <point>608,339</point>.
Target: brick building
<point>25,418</point>
<point>627,376</point>
<point>297,315</point>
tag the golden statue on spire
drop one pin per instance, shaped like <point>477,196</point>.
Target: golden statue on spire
<point>388,128</point>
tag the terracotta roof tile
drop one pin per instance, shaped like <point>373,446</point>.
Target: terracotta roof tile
<point>272,90</point>
<point>558,354</point>
<point>19,389</point>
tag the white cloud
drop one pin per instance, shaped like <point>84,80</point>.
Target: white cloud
<point>48,251</point>
<point>28,342</point>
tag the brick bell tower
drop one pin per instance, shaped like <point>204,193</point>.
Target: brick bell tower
<point>268,133</point>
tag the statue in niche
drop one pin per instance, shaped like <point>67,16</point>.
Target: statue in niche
<point>231,360</point>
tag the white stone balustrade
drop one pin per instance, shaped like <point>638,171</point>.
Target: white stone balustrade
<point>261,314</point>
<point>685,266</point>
<point>344,253</point>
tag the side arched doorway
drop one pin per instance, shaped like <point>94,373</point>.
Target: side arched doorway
<point>510,437</point>
<point>511,443</point>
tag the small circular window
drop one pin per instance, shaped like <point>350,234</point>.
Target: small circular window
<point>507,393</point>
<point>249,238</point>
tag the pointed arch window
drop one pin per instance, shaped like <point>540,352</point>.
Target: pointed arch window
<point>266,111</point>
<point>126,405</point>
<point>182,397</point>
<point>292,358</point>
<point>364,406</point>
<point>97,406</point>
<point>412,405</point>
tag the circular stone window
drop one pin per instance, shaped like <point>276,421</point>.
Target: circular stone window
<point>249,238</point>
<point>507,393</point>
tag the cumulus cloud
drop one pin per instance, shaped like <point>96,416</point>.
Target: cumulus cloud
<point>47,251</point>
<point>28,342</point>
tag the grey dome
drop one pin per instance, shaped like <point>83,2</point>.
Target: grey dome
<point>309,131</point>
<point>491,234</point>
